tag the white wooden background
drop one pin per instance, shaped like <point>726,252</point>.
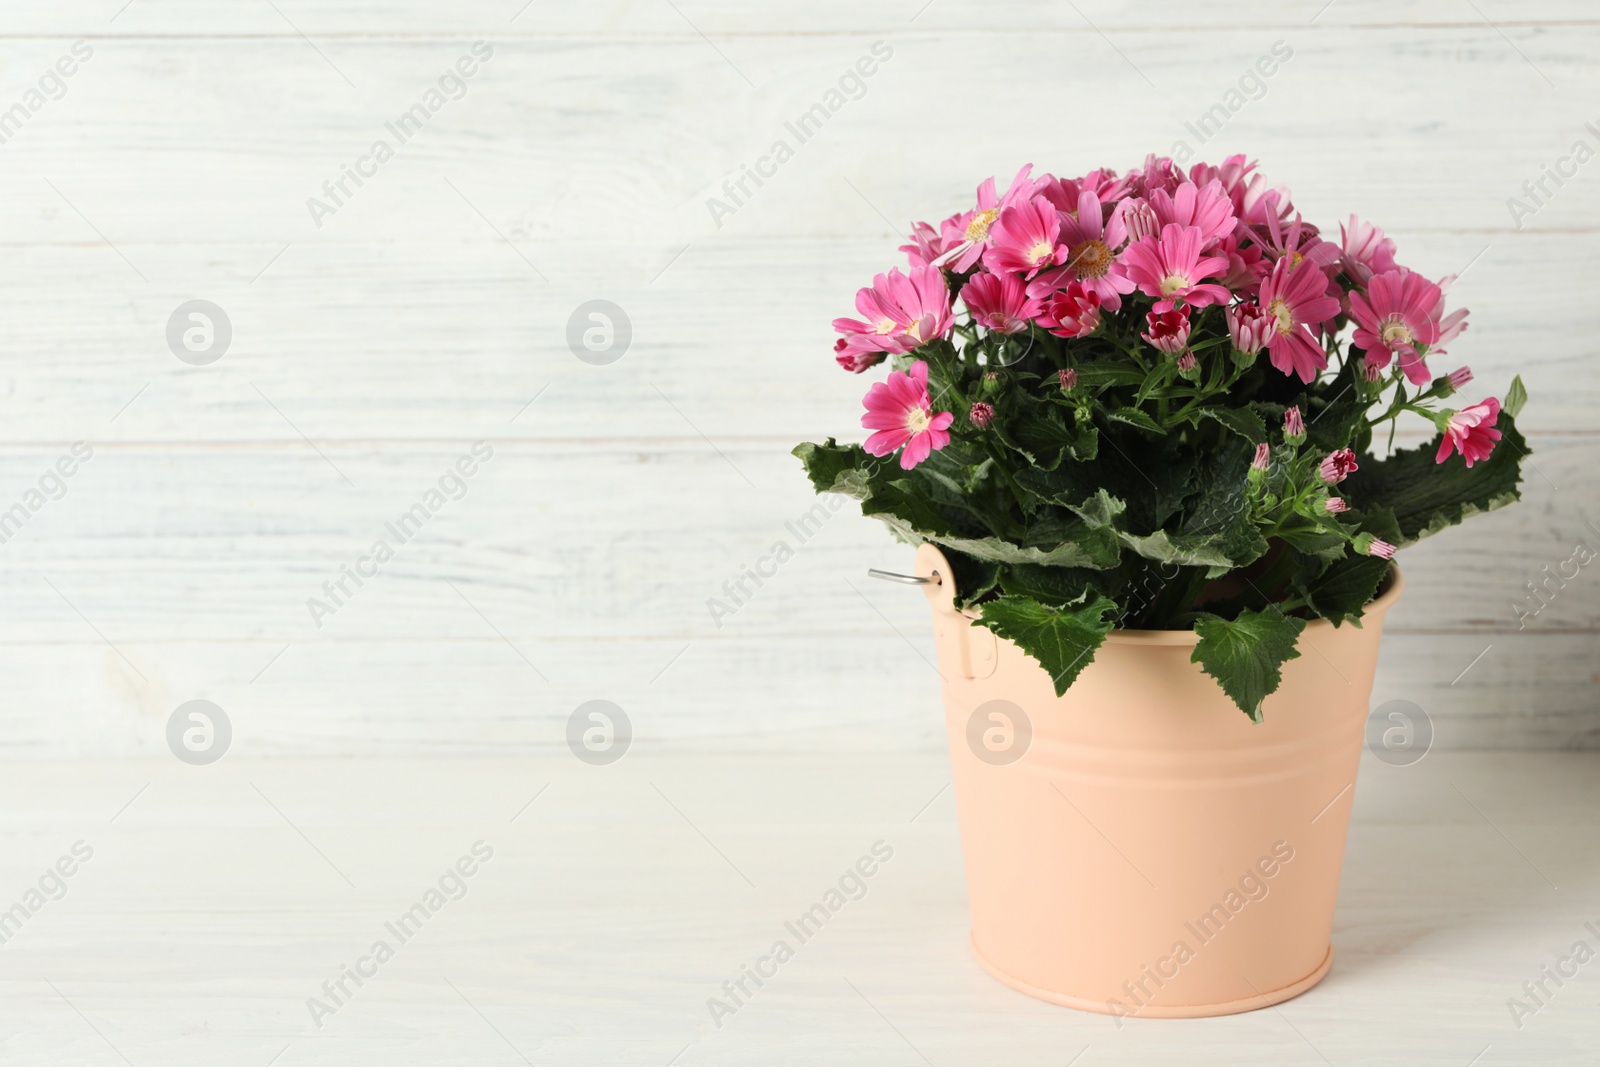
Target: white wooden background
<point>370,352</point>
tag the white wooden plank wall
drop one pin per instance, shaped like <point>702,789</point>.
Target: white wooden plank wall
<point>371,351</point>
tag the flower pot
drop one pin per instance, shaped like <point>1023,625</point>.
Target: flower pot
<point>1138,847</point>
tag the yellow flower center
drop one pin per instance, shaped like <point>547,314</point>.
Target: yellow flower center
<point>1173,284</point>
<point>978,228</point>
<point>885,326</point>
<point>914,331</point>
<point>1092,258</point>
<point>1396,333</point>
<point>1279,310</point>
<point>1040,252</point>
<point>918,420</point>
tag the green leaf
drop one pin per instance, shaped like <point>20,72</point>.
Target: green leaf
<point>1516,396</point>
<point>1062,640</point>
<point>1096,375</point>
<point>1134,417</point>
<point>1242,421</point>
<point>1427,497</point>
<point>1245,655</point>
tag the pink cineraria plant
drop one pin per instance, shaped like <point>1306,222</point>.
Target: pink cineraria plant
<point>1163,378</point>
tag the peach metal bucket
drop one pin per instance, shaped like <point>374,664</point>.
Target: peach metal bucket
<point>1138,847</point>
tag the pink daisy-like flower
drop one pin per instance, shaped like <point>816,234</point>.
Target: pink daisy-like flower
<point>1337,466</point>
<point>1158,172</point>
<point>1025,239</point>
<point>1171,268</point>
<point>1471,432</point>
<point>928,245</point>
<point>1365,251</point>
<point>972,229</point>
<point>1207,208</point>
<point>1065,193</point>
<point>1000,302</point>
<point>901,313</point>
<point>1168,330</point>
<point>1295,299</point>
<point>901,412</point>
<point>1073,312</point>
<point>1249,327</point>
<point>1091,244</point>
<point>1246,266</point>
<point>1395,315</point>
<point>1297,243</point>
<point>1451,325</point>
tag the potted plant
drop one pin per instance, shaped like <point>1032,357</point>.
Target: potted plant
<point>1141,427</point>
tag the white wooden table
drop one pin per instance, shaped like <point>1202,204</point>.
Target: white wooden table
<point>219,899</point>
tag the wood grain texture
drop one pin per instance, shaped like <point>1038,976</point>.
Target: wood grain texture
<point>220,899</point>
<point>427,312</point>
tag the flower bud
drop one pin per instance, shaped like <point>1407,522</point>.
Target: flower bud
<point>981,415</point>
<point>1335,506</point>
<point>1368,545</point>
<point>1069,380</point>
<point>1337,466</point>
<point>1249,328</point>
<point>1139,219</point>
<point>1457,379</point>
<point>1294,426</point>
<point>1169,330</point>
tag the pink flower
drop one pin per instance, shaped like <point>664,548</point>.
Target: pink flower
<point>1365,250</point>
<point>1368,545</point>
<point>1471,432</point>
<point>1138,219</point>
<point>1298,243</point>
<point>1073,312</point>
<point>901,313</point>
<point>1263,457</point>
<point>1249,327</point>
<point>981,414</point>
<point>1451,325</point>
<point>1294,298</point>
<point>1000,302</point>
<point>928,245</point>
<point>1458,378</point>
<point>1068,379</point>
<point>1158,172</point>
<point>1245,265</point>
<point>1169,330</point>
<point>855,362</point>
<point>901,412</point>
<point>1025,239</point>
<point>971,231</point>
<point>1207,208</point>
<point>1092,245</point>
<point>1065,193</point>
<point>1171,268</point>
<point>1335,506</point>
<point>1294,425</point>
<point>1337,466</point>
<point>1397,313</point>
<point>1187,364</point>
